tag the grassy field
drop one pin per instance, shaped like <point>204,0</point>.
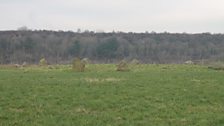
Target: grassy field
<point>148,95</point>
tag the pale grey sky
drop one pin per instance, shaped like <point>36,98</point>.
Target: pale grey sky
<point>119,15</point>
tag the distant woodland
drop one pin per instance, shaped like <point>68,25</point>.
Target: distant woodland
<point>61,47</point>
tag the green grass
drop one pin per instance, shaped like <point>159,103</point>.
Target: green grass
<point>148,95</point>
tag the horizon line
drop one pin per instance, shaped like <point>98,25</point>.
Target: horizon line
<point>111,31</point>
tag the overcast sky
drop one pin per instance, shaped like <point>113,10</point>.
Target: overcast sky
<point>190,16</point>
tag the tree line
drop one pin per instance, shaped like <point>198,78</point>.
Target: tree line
<point>61,47</point>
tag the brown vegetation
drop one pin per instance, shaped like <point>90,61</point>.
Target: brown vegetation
<point>122,66</point>
<point>78,65</point>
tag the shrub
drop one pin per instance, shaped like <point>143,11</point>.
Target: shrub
<point>50,67</point>
<point>17,65</point>
<point>122,66</point>
<point>43,62</point>
<point>216,66</point>
<point>24,64</point>
<point>189,62</point>
<point>85,61</point>
<point>135,62</point>
<point>78,65</point>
